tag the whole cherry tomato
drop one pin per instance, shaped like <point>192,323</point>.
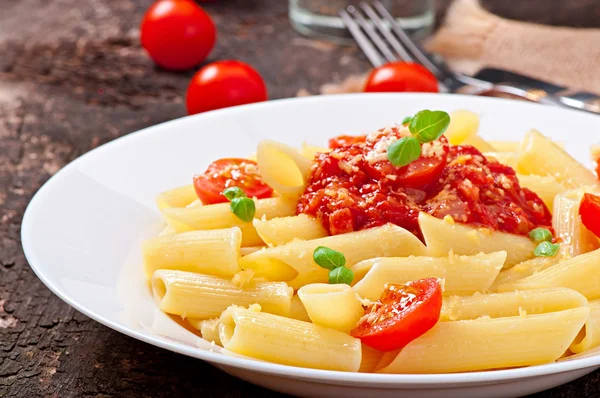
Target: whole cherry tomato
<point>222,84</point>
<point>401,77</point>
<point>177,34</point>
<point>589,211</point>
<point>403,313</point>
<point>230,172</point>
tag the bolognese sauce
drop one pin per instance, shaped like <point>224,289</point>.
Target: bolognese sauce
<point>354,187</point>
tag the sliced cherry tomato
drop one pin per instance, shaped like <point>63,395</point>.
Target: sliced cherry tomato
<point>403,313</point>
<point>589,211</point>
<point>177,34</point>
<point>420,173</point>
<point>223,84</point>
<point>401,77</point>
<point>345,140</point>
<point>230,172</point>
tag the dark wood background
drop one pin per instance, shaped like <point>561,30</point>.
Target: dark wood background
<point>72,77</point>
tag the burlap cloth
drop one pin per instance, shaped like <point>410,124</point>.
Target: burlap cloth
<point>472,38</point>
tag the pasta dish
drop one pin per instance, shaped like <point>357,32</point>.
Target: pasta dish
<point>417,248</point>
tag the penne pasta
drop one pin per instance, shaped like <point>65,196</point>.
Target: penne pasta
<point>209,329</point>
<point>297,310</point>
<point>288,341</point>
<point>219,216</point>
<point>479,143</point>
<point>332,306</point>
<point>310,151</point>
<point>541,156</point>
<point>293,262</point>
<point>463,125</point>
<point>508,158</point>
<point>546,187</point>
<point>461,274</point>
<point>442,236</point>
<point>580,273</point>
<point>370,358</point>
<point>283,168</point>
<point>589,336</point>
<point>203,296</point>
<point>487,343</point>
<point>281,230</point>
<point>523,270</point>
<point>505,146</point>
<point>499,305</point>
<point>213,252</point>
<point>177,197</point>
<point>576,238</point>
<point>244,251</point>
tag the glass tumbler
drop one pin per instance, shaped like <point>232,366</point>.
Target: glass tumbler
<point>319,18</point>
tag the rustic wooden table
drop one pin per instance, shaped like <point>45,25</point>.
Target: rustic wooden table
<point>72,77</point>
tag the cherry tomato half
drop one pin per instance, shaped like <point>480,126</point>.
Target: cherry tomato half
<point>403,313</point>
<point>177,34</point>
<point>401,77</point>
<point>223,84</point>
<point>589,211</point>
<point>230,172</point>
<point>345,140</point>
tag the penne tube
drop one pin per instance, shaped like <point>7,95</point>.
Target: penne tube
<point>297,310</point>
<point>169,230</point>
<point>293,262</point>
<point>177,197</point>
<point>463,125</point>
<point>589,336</point>
<point>203,296</point>
<point>209,329</point>
<point>541,156</point>
<point>310,151</point>
<point>332,306</point>
<point>287,341</point>
<point>283,168</point>
<point>505,146</point>
<point>508,158</point>
<point>461,274</point>
<point>281,230</point>
<point>546,187</point>
<point>219,216</point>
<point>523,270</point>
<point>499,305</point>
<point>479,143</point>
<point>575,238</point>
<point>490,343</point>
<point>580,273</point>
<point>213,252</point>
<point>244,251</point>
<point>442,237</point>
<point>370,358</point>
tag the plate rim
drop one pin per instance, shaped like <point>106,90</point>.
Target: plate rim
<point>215,358</point>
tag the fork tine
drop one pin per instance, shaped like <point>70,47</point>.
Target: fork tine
<point>370,31</point>
<point>362,40</point>
<point>385,31</point>
<point>410,45</point>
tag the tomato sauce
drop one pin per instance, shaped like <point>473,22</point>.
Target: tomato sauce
<point>354,187</point>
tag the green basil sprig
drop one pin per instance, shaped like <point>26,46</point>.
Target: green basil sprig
<point>539,235</point>
<point>335,262</point>
<point>242,206</point>
<point>546,249</point>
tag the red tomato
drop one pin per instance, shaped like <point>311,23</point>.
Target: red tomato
<point>223,84</point>
<point>230,172</point>
<point>401,77</point>
<point>589,211</point>
<point>403,313</point>
<point>345,140</point>
<point>177,34</point>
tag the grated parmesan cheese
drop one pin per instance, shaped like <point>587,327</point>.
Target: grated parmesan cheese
<point>432,149</point>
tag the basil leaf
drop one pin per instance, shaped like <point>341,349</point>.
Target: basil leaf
<point>244,208</point>
<point>404,151</point>
<point>341,275</point>
<point>429,125</point>
<point>406,120</point>
<point>234,192</point>
<point>328,258</point>
<point>546,249</point>
<point>540,235</point>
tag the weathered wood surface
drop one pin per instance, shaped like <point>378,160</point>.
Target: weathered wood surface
<point>72,77</point>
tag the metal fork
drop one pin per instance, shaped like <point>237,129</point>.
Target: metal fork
<point>383,40</point>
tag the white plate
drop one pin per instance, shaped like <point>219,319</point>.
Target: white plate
<point>82,231</point>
